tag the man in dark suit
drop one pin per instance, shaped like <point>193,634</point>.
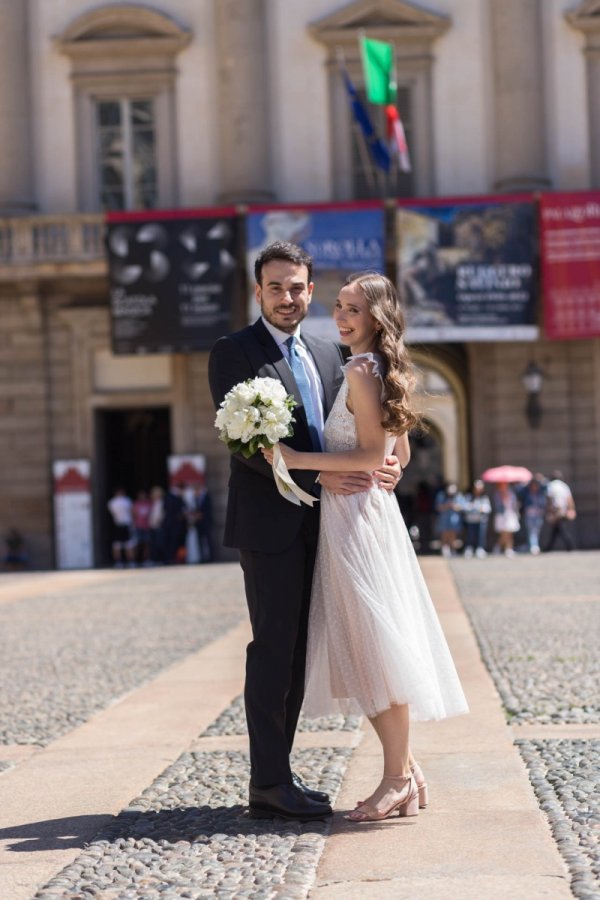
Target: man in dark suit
<point>173,524</point>
<point>277,540</point>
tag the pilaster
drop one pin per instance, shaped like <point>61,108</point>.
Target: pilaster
<point>586,18</point>
<point>519,123</point>
<point>244,122</point>
<point>15,109</point>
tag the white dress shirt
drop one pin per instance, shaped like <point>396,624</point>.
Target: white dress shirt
<point>316,387</point>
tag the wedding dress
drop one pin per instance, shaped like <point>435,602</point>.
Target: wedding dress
<point>374,636</point>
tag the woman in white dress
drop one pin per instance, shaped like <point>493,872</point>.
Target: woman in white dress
<point>375,644</point>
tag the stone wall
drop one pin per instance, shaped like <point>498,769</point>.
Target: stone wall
<point>569,435</point>
<point>24,441</point>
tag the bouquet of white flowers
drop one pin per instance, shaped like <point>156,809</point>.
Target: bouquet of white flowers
<point>255,413</point>
<point>258,413</point>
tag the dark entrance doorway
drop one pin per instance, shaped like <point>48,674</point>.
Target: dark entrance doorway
<point>419,485</point>
<point>132,447</point>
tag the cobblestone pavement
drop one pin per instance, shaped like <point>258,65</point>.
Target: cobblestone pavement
<point>537,620</point>
<point>68,655</point>
<point>188,834</point>
<point>233,721</point>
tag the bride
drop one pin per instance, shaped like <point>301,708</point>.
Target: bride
<point>375,645</point>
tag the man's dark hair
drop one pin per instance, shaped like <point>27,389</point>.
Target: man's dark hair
<point>282,250</point>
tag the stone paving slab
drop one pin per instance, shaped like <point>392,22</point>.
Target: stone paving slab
<point>483,830</point>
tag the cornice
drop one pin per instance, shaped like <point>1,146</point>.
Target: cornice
<point>388,20</point>
<point>122,30</point>
<point>585,17</point>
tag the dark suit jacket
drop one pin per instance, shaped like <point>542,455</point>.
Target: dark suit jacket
<point>258,517</point>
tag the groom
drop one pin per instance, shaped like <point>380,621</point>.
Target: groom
<point>277,540</point>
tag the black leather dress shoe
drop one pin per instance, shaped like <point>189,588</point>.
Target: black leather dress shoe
<point>318,796</point>
<point>287,801</point>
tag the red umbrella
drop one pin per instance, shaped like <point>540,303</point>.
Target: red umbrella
<point>507,475</point>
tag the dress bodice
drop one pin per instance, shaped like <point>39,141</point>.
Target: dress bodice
<point>340,427</point>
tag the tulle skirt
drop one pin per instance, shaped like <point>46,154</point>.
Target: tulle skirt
<point>374,636</point>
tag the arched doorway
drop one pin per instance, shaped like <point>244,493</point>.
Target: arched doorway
<point>440,453</point>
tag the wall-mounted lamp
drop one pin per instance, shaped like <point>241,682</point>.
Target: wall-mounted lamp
<point>533,380</point>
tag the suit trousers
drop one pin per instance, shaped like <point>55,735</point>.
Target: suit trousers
<point>278,588</point>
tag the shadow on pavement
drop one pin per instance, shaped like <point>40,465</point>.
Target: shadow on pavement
<point>54,834</point>
<point>189,824</point>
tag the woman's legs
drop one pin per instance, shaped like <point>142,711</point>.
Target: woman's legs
<point>397,790</point>
<point>448,537</point>
<point>392,729</point>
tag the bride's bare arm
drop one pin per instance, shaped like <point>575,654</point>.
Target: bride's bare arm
<point>402,450</point>
<point>364,393</point>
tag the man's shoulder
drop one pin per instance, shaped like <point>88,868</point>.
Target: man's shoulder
<point>238,336</point>
<point>323,345</point>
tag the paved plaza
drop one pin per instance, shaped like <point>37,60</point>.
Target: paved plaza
<point>124,758</point>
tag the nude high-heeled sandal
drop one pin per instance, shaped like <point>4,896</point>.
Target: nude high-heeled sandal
<point>407,803</point>
<point>421,784</point>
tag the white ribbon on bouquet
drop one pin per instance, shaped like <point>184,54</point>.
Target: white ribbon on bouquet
<point>286,486</point>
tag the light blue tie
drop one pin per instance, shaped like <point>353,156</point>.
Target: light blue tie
<point>299,373</point>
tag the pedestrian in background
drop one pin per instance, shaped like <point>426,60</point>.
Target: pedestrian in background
<point>506,518</point>
<point>560,512</point>
<point>534,501</point>
<point>448,506</point>
<point>476,513</point>
<point>120,507</point>
<point>174,524</point>
<point>142,508</point>
<point>157,514</point>
<point>203,508</point>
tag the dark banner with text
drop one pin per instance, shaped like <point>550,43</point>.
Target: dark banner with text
<point>172,279</point>
<point>466,268</point>
<point>570,237</point>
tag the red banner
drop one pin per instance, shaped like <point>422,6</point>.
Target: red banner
<point>570,252</point>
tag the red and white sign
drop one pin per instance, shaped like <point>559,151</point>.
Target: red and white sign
<point>570,252</point>
<point>73,513</point>
<point>188,470</point>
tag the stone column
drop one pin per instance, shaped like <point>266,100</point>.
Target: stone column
<point>586,18</point>
<point>15,109</point>
<point>518,96</point>
<point>245,137</point>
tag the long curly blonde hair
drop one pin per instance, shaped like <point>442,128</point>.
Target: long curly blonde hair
<point>399,380</point>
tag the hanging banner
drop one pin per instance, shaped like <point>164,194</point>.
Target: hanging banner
<point>570,247</point>
<point>466,268</point>
<point>172,279</point>
<point>342,238</point>
<point>73,513</point>
<point>189,470</point>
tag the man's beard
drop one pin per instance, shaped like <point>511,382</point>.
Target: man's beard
<point>288,329</point>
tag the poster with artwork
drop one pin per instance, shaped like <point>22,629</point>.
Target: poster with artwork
<point>341,238</point>
<point>467,268</point>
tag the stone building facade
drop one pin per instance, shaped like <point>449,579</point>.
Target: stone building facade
<point>246,105</point>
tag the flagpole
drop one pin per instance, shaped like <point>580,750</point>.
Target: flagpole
<point>361,142</point>
<point>365,157</point>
